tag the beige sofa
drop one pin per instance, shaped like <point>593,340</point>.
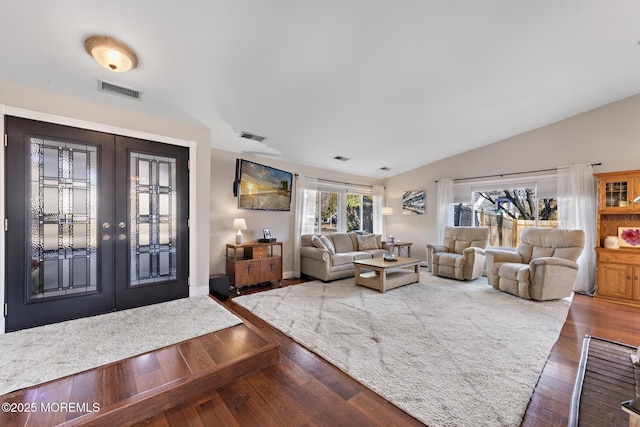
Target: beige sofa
<point>543,267</point>
<point>335,259</point>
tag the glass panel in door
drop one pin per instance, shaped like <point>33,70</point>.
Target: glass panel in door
<point>152,219</point>
<point>63,220</point>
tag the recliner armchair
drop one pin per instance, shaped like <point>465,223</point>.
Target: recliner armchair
<point>461,255</point>
<point>542,268</point>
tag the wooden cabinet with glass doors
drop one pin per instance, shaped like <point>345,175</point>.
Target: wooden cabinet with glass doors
<point>618,269</point>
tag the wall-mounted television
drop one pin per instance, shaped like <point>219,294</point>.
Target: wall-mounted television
<point>262,187</point>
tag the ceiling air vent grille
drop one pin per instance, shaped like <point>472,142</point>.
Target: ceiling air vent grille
<point>252,136</point>
<point>118,90</point>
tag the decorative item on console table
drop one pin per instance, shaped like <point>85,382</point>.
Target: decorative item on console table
<point>267,236</point>
<point>618,215</point>
<point>253,263</point>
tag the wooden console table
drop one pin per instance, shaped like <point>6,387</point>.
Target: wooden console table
<point>253,263</point>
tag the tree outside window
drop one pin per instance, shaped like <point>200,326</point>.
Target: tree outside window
<point>359,213</point>
<point>357,209</point>
<point>507,213</point>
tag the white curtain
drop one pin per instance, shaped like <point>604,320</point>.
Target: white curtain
<point>378,203</point>
<point>445,199</point>
<point>305,209</point>
<point>577,206</point>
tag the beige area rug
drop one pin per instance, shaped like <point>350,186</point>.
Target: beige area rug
<point>33,356</point>
<point>449,353</point>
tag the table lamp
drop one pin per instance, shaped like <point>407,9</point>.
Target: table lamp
<point>239,224</point>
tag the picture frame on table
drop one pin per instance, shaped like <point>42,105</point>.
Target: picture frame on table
<point>267,233</point>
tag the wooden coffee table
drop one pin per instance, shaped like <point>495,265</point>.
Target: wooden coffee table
<point>386,275</point>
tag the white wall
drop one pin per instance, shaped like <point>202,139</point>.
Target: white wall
<point>16,96</point>
<point>609,134</point>
<point>224,207</point>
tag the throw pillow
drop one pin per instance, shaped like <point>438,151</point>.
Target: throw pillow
<point>367,242</point>
<point>317,242</point>
<point>328,244</point>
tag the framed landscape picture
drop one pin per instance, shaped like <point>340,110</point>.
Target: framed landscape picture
<point>413,202</point>
<point>262,187</point>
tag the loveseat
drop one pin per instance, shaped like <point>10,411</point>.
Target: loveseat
<point>330,256</point>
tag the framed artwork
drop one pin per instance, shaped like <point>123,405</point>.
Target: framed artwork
<point>413,202</point>
<point>629,237</point>
<point>262,187</point>
<point>267,233</point>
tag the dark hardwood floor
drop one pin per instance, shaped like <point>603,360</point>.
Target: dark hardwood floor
<point>550,403</point>
<point>263,398</point>
<point>300,388</point>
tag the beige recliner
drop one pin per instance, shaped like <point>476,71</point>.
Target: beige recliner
<point>461,255</point>
<point>543,266</point>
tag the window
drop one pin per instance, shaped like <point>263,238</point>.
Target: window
<point>328,211</point>
<point>341,209</point>
<point>360,212</point>
<point>507,208</point>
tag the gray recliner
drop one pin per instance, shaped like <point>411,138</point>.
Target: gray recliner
<point>461,255</point>
<point>543,266</point>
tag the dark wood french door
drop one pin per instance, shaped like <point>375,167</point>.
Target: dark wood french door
<point>95,223</point>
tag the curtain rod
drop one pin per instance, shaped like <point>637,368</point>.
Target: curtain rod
<point>501,175</point>
<point>341,182</point>
<point>344,183</point>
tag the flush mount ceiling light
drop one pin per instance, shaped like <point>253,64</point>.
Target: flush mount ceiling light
<point>112,54</point>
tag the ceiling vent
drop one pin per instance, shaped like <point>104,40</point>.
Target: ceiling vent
<point>341,158</point>
<point>251,136</point>
<point>119,90</point>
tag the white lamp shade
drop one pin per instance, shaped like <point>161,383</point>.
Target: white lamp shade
<point>387,210</point>
<point>239,224</point>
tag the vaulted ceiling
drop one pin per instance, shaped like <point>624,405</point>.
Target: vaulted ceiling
<point>394,84</point>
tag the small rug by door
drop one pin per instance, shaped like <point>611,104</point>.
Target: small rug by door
<point>33,356</point>
<point>450,353</point>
